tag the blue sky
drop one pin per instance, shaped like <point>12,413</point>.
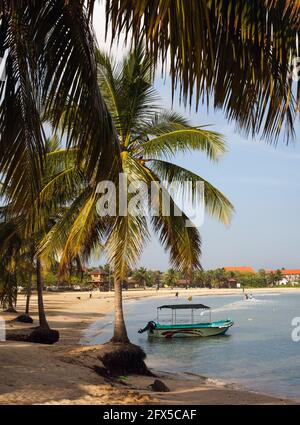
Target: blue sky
<point>263,183</point>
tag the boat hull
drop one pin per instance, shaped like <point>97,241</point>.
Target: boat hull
<point>189,331</point>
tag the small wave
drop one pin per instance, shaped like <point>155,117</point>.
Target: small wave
<point>241,305</point>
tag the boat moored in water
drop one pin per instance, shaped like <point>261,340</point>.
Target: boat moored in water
<point>176,328</point>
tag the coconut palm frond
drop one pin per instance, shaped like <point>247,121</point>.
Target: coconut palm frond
<point>235,54</point>
<point>22,139</point>
<point>10,239</point>
<point>216,203</point>
<point>176,236</point>
<point>125,242</point>
<point>129,233</point>
<point>55,239</point>
<point>67,49</point>
<point>164,121</point>
<point>59,159</point>
<point>183,139</point>
<point>128,90</point>
<point>50,65</point>
<point>182,242</point>
<point>109,77</point>
<point>76,232</point>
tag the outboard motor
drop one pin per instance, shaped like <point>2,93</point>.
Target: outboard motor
<point>150,326</point>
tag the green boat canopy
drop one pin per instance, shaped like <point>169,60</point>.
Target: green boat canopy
<point>184,306</point>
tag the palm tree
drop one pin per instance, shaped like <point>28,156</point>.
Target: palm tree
<point>57,163</point>
<point>148,136</point>
<point>16,261</point>
<point>170,277</point>
<point>235,51</point>
<point>142,276</point>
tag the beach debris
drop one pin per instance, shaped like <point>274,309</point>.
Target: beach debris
<point>159,386</point>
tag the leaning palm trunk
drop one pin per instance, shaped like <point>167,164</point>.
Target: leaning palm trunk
<point>120,332</point>
<point>39,285</point>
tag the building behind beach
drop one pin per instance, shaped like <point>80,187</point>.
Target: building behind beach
<point>99,279</point>
<point>290,277</point>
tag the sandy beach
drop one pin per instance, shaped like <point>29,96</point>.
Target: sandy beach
<point>64,373</point>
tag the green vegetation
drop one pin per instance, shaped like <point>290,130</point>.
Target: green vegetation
<point>218,278</point>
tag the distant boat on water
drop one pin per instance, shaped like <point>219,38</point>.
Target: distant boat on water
<point>249,297</point>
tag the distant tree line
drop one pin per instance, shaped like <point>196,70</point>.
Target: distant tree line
<point>143,277</point>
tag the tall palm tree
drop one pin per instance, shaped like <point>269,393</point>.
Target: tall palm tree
<point>148,136</point>
<point>237,52</point>
<point>22,231</point>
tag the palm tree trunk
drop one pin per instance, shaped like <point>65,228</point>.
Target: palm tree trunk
<point>120,332</point>
<point>28,294</point>
<point>11,306</point>
<point>39,284</point>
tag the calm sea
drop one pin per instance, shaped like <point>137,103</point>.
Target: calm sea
<point>257,352</point>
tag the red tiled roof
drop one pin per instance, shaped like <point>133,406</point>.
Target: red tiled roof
<point>290,272</point>
<point>285,272</point>
<point>239,269</point>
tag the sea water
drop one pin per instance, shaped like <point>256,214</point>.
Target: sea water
<point>258,352</point>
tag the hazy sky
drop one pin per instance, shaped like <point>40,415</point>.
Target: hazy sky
<point>261,181</point>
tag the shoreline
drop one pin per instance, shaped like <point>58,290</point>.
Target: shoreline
<point>66,368</point>
<point>207,380</point>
